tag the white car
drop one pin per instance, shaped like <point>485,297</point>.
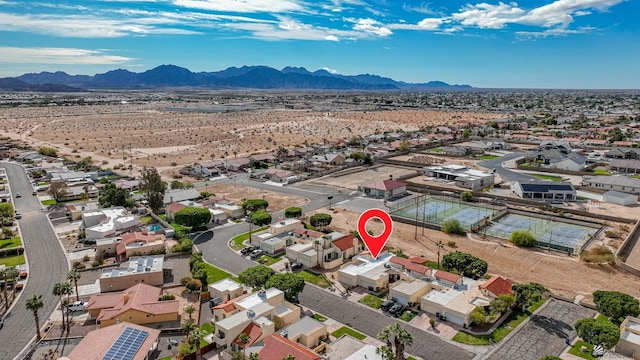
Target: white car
<point>78,306</point>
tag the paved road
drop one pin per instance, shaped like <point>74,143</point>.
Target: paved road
<point>47,266</point>
<point>370,322</point>
<point>217,252</point>
<point>544,334</point>
<point>505,174</point>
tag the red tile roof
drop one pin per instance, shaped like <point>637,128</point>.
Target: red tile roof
<point>130,238</point>
<point>140,297</point>
<point>417,268</point>
<point>228,306</point>
<point>309,233</point>
<point>173,207</point>
<point>400,261</point>
<point>97,343</point>
<point>498,286</point>
<point>385,185</point>
<point>277,347</point>
<point>418,260</point>
<point>345,242</point>
<point>253,331</point>
<point>448,276</point>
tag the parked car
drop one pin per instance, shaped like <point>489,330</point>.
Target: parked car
<point>34,193</point>
<point>18,195</point>
<point>247,250</point>
<point>396,310</point>
<point>78,306</point>
<point>18,215</point>
<point>387,304</point>
<point>1,323</point>
<point>256,254</point>
<point>296,266</point>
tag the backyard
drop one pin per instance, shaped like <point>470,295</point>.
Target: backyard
<point>315,279</point>
<point>345,330</point>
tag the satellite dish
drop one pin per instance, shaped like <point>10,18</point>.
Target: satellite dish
<point>598,350</point>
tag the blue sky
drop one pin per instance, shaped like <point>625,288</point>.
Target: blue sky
<point>484,43</point>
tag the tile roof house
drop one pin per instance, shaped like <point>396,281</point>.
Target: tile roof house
<point>496,286</point>
<point>173,208</point>
<point>383,189</point>
<point>277,347</point>
<point>104,343</point>
<point>138,304</point>
<point>138,244</point>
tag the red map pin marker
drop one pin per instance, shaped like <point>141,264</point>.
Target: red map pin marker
<point>375,243</point>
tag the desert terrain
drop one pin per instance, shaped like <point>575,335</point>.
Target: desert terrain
<point>146,134</point>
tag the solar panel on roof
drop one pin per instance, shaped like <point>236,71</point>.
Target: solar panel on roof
<point>546,187</point>
<point>127,345</point>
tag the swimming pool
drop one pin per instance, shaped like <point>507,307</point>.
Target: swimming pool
<point>154,227</point>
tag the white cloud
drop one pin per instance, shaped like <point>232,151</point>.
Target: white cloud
<point>555,32</point>
<point>424,24</point>
<point>331,38</point>
<point>329,70</point>
<point>289,28</point>
<point>558,13</point>
<point>58,56</point>
<point>243,6</point>
<point>371,26</point>
<point>423,8</point>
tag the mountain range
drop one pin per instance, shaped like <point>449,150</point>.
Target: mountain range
<point>245,77</point>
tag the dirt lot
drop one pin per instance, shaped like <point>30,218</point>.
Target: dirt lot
<point>352,181</point>
<point>235,193</point>
<point>112,134</point>
<point>564,275</point>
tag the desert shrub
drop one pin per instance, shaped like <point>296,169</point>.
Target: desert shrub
<point>522,238</point>
<point>452,244</point>
<point>613,234</point>
<point>452,226</point>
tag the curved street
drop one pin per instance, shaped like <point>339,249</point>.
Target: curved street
<point>426,345</point>
<point>505,174</point>
<point>47,265</point>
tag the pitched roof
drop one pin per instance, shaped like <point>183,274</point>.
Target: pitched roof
<point>448,276</point>
<point>309,233</point>
<point>229,305</point>
<point>175,206</point>
<point>345,242</point>
<point>400,261</point>
<point>97,343</point>
<point>139,297</point>
<point>253,331</point>
<point>498,285</point>
<point>421,269</point>
<point>418,260</point>
<point>385,185</point>
<point>133,237</point>
<point>277,347</point>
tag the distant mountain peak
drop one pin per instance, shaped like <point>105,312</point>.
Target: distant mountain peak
<point>245,77</point>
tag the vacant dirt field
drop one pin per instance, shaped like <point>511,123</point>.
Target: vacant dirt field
<point>112,134</point>
<point>564,275</point>
<point>352,181</point>
<point>235,193</point>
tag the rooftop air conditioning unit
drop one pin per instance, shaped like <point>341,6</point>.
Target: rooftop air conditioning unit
<point>284,334</point>
<point>251,313</point>
<point>262,293</point>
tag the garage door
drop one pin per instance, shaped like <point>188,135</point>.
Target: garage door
<point>455,319</point>
<point>401,299</point>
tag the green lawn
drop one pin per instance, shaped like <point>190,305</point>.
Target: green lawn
<point>434,265</point>
<point>546,177</point>
<point>208,328</point>
<point>214,274</point>
<point>270,260</point>
<point>345,330</point>
<point>371,301</point>
<point>319,317</point>
<point>512,322</point>
<point>12,260</point>
<point>178,227</point>
<point>575,350</point>
<point>166,358</point>
<point>488,157</point>
<point>408,315</point>
<point>601,172</point>
<point>16,241</point>
<point>314,278</point>
<point>438,149</point>
<point>146,220</point>
<point>163,217</point>
<point>48,202</point>
<point>43,183</point>
<point>237,243</point>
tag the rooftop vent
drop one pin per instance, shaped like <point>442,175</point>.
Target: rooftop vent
<point>284,334</point>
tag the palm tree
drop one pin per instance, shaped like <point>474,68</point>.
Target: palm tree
<point>34,304</point>
<point>73,276</point>
<point>440,245</point>
<point>289,357</point>
<point>8,273</point>
<point>244,339</point>
<point>237,355</point>
<point>385,353</point>
<point>190,309</point>
<point>197,334</point>
<point>397,338</point>
<point>60,290</point>
<point>254,356</point>
<point>188,327</point>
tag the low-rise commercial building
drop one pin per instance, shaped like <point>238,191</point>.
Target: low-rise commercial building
<point>463,176</point>
<point>148,270</point>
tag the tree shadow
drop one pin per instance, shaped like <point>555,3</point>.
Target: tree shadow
<point>552,326</point>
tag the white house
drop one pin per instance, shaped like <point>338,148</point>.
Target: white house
<point>620,198</point>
